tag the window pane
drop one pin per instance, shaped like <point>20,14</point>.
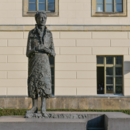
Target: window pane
<point>100,60</point>
<point>99,1</point>
<point>109,8</point>
<point>51,59</point>
<point>51,5</point>
<point>119,60</point>
<point>109,1</point>
<point>32,6</point>
<point>99,7</point>
<point>52,71</point>
<point>119,90</point>
<point>109,71</point>
<point>119,8</point>
<point>118,80</point>
<point>109,60</point>
<point>109,89</point>
<point>42,0</point>
<point>32,0</point>
<point>52,80</point>
<point>118,70</point>
<point>100,80</point>
<point>52,1</point>
<point>52,89</point>
<point>109,80</point>
<point>118,1</point>
<point>42,6</point>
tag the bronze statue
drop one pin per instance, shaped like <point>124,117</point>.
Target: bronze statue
<point>39,47</point>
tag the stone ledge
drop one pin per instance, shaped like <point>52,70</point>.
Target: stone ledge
<point>99,103</point>
<point>68,27</point>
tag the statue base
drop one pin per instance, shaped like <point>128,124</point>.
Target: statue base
<point>56,115</point>
<point>21,123</point>
<point>68,121</point>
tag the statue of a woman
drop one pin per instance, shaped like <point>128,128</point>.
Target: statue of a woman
<point>39,47</point>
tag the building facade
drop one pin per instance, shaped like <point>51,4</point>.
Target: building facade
<point>92,43</point>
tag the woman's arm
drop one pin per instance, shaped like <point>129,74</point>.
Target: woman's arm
<point>29,50</point>
<point>50,50</point>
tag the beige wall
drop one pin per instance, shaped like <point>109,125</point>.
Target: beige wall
<point>70,12</point>
<point>75,65</point>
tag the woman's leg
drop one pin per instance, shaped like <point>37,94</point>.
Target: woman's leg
<point>34,108</point>
<point>43,106</point>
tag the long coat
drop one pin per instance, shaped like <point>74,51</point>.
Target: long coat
<point>39,72</point>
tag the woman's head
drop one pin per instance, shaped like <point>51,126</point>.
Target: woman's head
<point>41,18</point>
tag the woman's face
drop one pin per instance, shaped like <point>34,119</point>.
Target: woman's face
<point>41,19</point>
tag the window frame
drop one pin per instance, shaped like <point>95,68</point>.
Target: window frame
<point>114,65</point>
<point>27,13</point>
<point>108,14</point>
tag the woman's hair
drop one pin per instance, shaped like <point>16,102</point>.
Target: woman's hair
<point>38,14</point>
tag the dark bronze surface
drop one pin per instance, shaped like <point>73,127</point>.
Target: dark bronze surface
<point>39,47</point>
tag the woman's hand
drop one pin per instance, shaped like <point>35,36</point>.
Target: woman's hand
<point>31,52</point>
<point>40,48</point>
<point>37,48</point>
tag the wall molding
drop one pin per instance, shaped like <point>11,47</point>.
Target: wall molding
<point>86,28</point>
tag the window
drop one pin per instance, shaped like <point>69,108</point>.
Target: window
<point>39,5</point>
<point>109,74</point>
<point>31,6</point>
<point>108,8</point>
<point>52,64</point>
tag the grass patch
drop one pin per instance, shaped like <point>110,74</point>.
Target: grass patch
<point>8,112</point>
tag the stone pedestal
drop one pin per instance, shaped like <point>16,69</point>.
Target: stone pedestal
<point>89,121</point>
<point>21,123</point>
